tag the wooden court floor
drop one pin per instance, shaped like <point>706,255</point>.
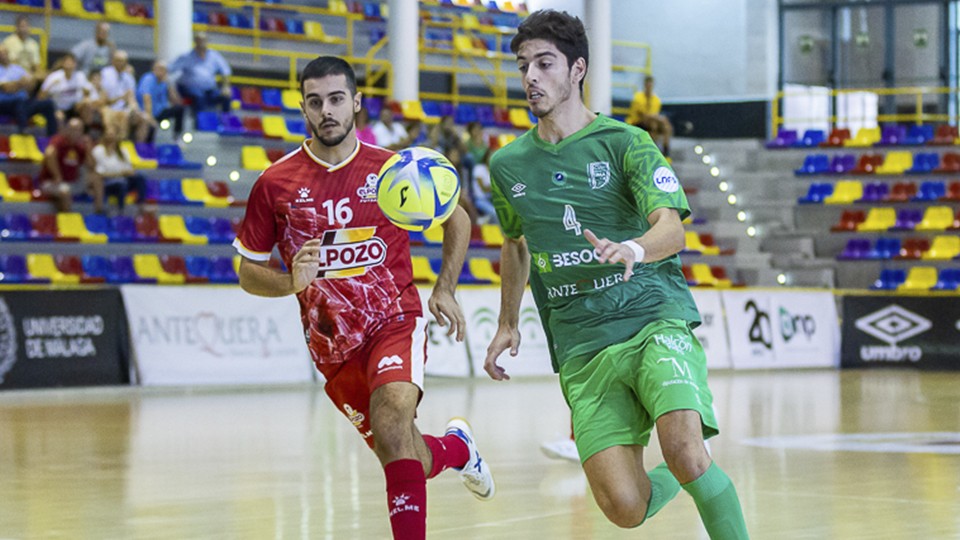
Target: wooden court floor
<point>814,455</point>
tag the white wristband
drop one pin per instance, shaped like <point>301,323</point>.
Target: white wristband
<point>638,251</point>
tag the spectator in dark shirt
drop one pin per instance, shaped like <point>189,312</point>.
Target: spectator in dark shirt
<point>15,100</point>
<point>63,164</point>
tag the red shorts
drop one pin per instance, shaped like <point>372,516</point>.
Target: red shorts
<point>396,352</point>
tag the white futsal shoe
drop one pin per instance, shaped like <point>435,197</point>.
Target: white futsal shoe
<point>561,449</point>
<point>476,475</point>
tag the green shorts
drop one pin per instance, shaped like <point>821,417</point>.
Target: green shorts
<point>616,397</point>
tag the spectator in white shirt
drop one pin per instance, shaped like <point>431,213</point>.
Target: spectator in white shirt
<point>68,88</point>
<point>390,134</point>
<point>113,172</point>
<point>122,109</point>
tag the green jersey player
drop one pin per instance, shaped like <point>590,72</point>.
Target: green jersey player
<point>592,212</point>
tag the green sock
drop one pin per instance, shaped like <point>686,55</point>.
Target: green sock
<point>718,504</point>
<point>663,488</point>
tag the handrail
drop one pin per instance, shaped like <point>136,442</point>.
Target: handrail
<point>918,116</point>
<point>645,69</point>
<point>35,31</point>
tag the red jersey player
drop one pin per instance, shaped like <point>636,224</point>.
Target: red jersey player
<point>351,271</point>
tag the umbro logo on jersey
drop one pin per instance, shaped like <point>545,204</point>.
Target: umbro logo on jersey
<point>303,195</point>
<point>519,190</point>
<point>368,192</point>
<point>389,362</point>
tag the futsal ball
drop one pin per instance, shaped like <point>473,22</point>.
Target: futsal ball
<point>418,188</point>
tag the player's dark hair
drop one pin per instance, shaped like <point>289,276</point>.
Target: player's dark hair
<point>323,66</point>
<point>565,31</point>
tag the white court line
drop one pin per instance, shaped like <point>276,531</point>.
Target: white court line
<point>502,522</point>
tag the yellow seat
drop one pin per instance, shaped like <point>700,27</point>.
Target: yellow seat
<point>314,30</point>
<point>173,227</point>
<point>275,126</point>
<point>433,235</point>
<point>505,138</point>
<point>236,263</point>
<point>482,268</point>
<point>254,158</point>
<point>920,278</point>
<point>42,265</point>
<point>704,276</point>
<point>470,21</point>
<point>338,6</point>
<point>943,248</point>
<point>135,159</point>
<point>878,219</point>
<point>195,190</point>
<point>73,7</point>
<point>114,10</point>
<point>520,119</point>
<point>413,110</point>
<point>865,138</point>
<point>8,194</point>
<point>936,218</point>
<point>464,44</point>
<point>422,270</point>
<point>71,225</point>
<point>845,191</point>
<point>148,266</point>
<point>695,244</point>
<point>492,235</point>
<point>291,99</point>
<point>896,163</point>
<point>24,147</point>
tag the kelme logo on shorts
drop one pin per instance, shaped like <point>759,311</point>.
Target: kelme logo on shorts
<point>665,180</point>
<point>542,262</point>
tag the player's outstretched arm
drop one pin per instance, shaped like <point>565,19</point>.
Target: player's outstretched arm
<point>514,271</point>
<point>259,279</point>
<point>664,238</point>
<point>442,304</point>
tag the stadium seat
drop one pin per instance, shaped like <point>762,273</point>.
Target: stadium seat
<point>221,231</point>
<point>868,163</point>
<point>702,275</point>
<point>147,266</point>
<point>907,219</point>
<point>811,138</point>
<point>919,278</point>
<point>71,265</point>
<point>913,248</point>
<point>896,163</point>
<point>240,21</point>
<point>950,163</point>
<point>874,192</point>
<point>271,99</point>
<point>919,135</point>
<point>413,110</point>
<point>174,229</point>
<point>223,270</point>
<point>849,221</point>
<point>276,154</point>
<point>892,135</point>
<point>878,219</point>
<point>251,99</point>
<point>924,163</point>
<point>297,127</point>
<point>197,268</point>
<point>785,138</point>
<point>693,244</point>
<point>855,250</point>
<point>845,192</point>
<point>482,268</point>
<point>931,191</point>
<point>936,218</point>
<point>814,164</point>
<point>885,249</point>
<point>230,125</point>
<point>9,193</point>
<point>943,248</point>
<point>218,18</point>
<point>520,118</point>
<point>290,100</point>
<point>254,158</point>
<point>175,265</point>
<point>122,271</point>
<point>502,117</point>
<point>945,135</point>
<point>953,191</point>
<point>836,138</point>
<point>208,121</point>
<point>890,279</point>
<point>816,193</point>
<point>147,228</point>
<point>136,159</point>
<point>24,148</point>
<point>422,271</point>
<point>15,228</point>
<point>42,266</point>
<point>492,235</point>
<point>433,236</point>
<point>96,267</point>
<point>275,127</point>
<point>169,156</point>
<point>197,191</point>
<point>843,163</point>
<point>373,105</point>
<point>72,228</point>
<point>465,113</point>
<point>902,192</point>
<point>949,280</point>
<point>44,227</point>
<point>314,31</point>
<point>485,116</point>
<point>865,138</point>
<point>13,269</point>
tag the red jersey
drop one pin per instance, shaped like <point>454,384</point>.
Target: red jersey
<point>70,157</point>
<point>365,276</point>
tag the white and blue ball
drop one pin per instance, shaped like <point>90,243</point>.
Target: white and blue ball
<point>418,188</point>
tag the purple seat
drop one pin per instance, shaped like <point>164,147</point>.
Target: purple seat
<point>907,219</point>
<point>17,228</point>
<point>485,116</point>
<point>231,126</point>
<point>146,150</point>
<point>13,269</point>
<point>843,163</point>
<point>785,139</point>
<point>122,271</point>
<point>892,135</point>
<point>373,105</point>
<point>856,249</point>
<point>221,231</point>
<point>222,271</point>
<point>874,192</point>
<point>122,230</point>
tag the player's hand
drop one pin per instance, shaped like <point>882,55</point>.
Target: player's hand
<point>612,252</point>
<point>306,264</point>
<point>506,338</point>
<point>446,310</point>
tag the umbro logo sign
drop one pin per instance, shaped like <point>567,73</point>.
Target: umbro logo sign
<point>519,190</point>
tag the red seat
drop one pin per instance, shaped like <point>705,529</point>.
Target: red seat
<point>71,264</point>
<point>4,147</point>
<point>868,164</point>
<point>22,182</point>
<point>849,220</point>
<point>175,264</point>
<point>956,222</point>
<point>275,154</point>
<point>836,138</point>
<point>953,191</point>
<point>945,135</point>
<point>949,163</point>
<point>251,98</point>
<point>914,248</point>
<point>147,226</point>
<point>217,18</point>
<point>902,192</point>
<point>237,224</point>
<point>44,225</point>
<point>688,275</point>
<point>253,125</point>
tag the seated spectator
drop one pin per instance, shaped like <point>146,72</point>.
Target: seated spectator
<point>96,53</point>
<point>63,162</point>
<point>389,134</point>
<point>449,136</point>
<point>92,115</point>
<point>197,80</point>
<point>122,109</point>
<point>159,98</point>
<point>645,113</point>
<point>68,88</point>
<point>24,50</point>
<point>364,129</point>
<point>477,177</point>
<point>15,99</point>
<point>113,172</point>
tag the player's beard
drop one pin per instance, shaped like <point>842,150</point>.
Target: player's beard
<point>335,140</point>
<point>565,93</point>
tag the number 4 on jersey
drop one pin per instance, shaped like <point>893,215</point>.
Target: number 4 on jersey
<point>570,222</point>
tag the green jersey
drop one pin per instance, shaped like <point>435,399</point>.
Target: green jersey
<point>607,177</point>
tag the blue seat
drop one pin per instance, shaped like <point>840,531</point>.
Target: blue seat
<point>371,11</point>
<point>485,116</point>
<point>294,26</point>
<point>208,121</point>
<point>785,139</point>
<point>169,156</point>
<point>171,192</point>
<point>16,228</point>
<point>376,34</point>
<point>930,191</point>
<point>919,135</point>
<point>431,108</point>
<point>948,280</point>
<point>373,105</point>
<point>198,266</point>
<point>122,229</point>
<point>239,20</point>
<point>885,249</point>
<point>197,225</point>
<point>924,163</point>
<point>221,271</point>
<point>199,17</point>
<point>465,113</point>
<point>814,164</point>
<point>271,99</point>
<point>230,125</point>
<point>96,266</point>
<point>816,193</point>
<point>97,223</point>
<point>811,138</point>
<point>297,126</point>
<point>221,231</point>
<point>890,279</point>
